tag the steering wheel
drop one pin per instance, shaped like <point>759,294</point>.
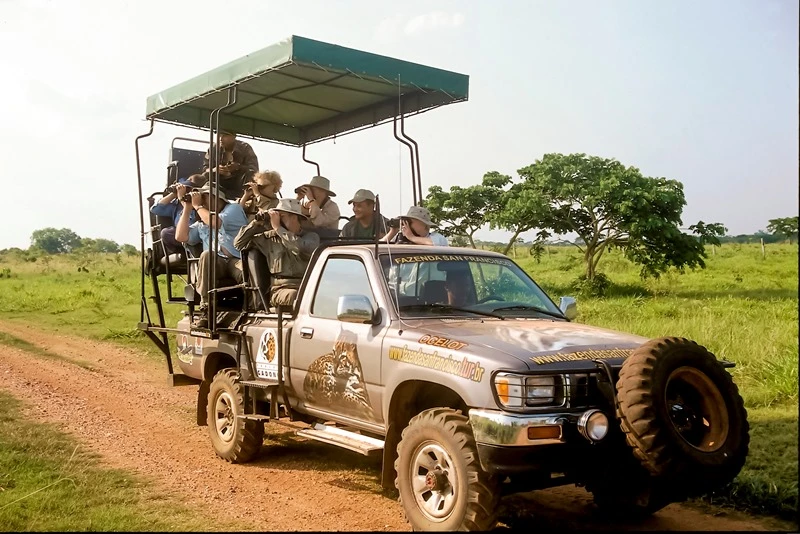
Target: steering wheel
<point>490,297</point>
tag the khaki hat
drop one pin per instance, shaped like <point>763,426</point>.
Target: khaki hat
<point>362,195</point>
<point>419,213</point>
<point>321,182</point>
<point>290,205</point>
<point>207,189</point>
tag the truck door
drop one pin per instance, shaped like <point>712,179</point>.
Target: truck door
<point>339,363</point>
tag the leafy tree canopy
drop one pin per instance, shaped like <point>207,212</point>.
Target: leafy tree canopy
<point>785,227</point>
<point>609,205</point>
<point>55,241</point>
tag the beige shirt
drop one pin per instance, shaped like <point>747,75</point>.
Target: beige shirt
<point>325,217</point>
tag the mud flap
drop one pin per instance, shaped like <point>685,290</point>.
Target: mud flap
<point>388,472</point>
<point>202,403</point>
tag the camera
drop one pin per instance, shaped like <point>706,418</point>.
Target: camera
<point>188,197</point>
<point>394,223</point>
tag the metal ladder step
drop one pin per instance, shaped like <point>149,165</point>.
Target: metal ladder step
<point>254,417</point>
<point>342,438</point>
<point>262,383</point>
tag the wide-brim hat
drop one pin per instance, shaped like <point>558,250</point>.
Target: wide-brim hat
<point>207,189</point>
<point>318,181</point>
<point>419,213</point>
<point>290,205</point>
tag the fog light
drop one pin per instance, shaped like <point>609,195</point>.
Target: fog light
<point>593,425</point>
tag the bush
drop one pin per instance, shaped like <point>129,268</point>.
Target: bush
<point>596,287</point>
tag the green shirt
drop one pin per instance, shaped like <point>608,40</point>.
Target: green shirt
<point>353,229</point>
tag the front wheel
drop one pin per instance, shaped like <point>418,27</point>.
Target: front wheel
<point>441,483</point>
<point>235,440</point>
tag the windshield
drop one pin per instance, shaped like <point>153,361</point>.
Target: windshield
<point>463,285</point>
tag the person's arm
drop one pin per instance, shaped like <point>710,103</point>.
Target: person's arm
<point>412,237</point>
<point>182,228</point>
<point>249,193</point>
<point>250,161</point>
<point>393,231</point>
<point>202,211</point>
<point>326,216</point>
<point>246,234</point>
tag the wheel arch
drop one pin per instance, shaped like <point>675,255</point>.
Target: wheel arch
<point>213,362</point>
<point>408,399</point>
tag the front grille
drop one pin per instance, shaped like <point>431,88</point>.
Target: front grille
<point>582,390</point>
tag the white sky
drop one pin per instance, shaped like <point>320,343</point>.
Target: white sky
<point>705,93</point>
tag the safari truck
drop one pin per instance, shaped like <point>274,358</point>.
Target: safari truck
<point>451,363</point>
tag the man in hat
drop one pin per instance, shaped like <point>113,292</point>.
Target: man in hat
<point>228,219</point>
<point>315,198</point>
<point>278,252</point>
<point>170,206</point>
<point>415,226</point>
<point>238,162</point>
<point>364,224</point>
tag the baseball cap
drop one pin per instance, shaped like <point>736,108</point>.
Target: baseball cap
<point>362,195</point>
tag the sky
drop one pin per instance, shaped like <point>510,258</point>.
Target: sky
<point>702,92</point>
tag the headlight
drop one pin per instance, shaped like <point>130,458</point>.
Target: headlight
<point>516,391</point>
<point>541,390</point>
<point>509,389</point>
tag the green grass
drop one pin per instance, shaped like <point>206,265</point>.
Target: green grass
<point>742,307</point>
<point>49,483</point>
<point>92,295</point>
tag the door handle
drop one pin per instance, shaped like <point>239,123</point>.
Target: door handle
<point>306,332</point>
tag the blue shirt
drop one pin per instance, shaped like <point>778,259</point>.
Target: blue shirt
<point>232,218</point>
<point>172,209</point>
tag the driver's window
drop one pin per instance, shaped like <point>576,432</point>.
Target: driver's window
<point>340,276</point>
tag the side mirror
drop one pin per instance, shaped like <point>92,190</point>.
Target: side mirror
<point>356,309</point>
<point>569,307</point>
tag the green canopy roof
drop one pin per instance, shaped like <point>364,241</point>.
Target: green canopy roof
<point>300,91</point>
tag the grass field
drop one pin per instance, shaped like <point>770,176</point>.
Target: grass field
<point>742,307</point>
<point>49,483</point>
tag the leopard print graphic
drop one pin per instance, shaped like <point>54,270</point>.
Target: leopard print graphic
<point>336,380</point>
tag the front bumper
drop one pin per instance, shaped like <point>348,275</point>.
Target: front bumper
<point>508,442</point>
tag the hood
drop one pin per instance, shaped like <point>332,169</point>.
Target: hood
<point>533,340</point>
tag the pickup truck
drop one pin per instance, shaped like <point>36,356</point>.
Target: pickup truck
<point>471,382</point>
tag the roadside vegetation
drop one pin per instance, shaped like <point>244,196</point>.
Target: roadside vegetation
<point>742,306</point>
<point>50,483</point>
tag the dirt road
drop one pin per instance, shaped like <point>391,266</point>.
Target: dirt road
<point>116,402</point>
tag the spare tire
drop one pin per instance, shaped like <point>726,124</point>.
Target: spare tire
<point>682,414</point>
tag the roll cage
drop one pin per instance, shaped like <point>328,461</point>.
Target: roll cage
<point>296,92</point>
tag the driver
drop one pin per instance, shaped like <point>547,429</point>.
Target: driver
<point>458,286</point>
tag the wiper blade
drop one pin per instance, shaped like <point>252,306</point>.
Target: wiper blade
<point>447,307</point>
<point>531,308</point>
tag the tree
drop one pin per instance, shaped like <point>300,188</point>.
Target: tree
<point>55,241</point>
<point>520,208</point>
<point>612,206</point>
<point>709,234</point>
<point>463,210</point>
<point>129,250</point>
<point>786,227</point>
<point>103,245</point>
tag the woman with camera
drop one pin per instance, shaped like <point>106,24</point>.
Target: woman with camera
<point>261,193</point>
<point>415,227</point>
<point>315,199</point>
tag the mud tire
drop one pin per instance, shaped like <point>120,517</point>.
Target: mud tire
<point>446,434</point>
<point>682,415</point>
<point>234,440</point>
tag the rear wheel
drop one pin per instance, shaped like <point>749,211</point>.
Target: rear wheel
<point>682,414</point>
<point>235,440</point>
<point>441,483</point>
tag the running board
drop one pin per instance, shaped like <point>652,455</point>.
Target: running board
<point>342,438</point>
